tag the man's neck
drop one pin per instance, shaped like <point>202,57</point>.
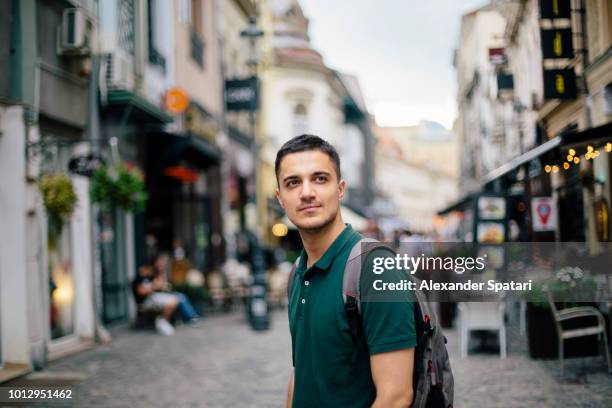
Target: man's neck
<point>316,243</point>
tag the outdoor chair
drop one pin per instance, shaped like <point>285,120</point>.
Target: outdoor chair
<point>481,316</point>
<point>565,315</point>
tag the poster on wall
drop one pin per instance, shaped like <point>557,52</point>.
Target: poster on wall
<point>490,232</point>
<point>491,208</point>
<point>543,214</point>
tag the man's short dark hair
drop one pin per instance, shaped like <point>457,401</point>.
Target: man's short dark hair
<point>305,143</point>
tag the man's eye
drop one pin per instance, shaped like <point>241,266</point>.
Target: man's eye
<point>321,179</point>
<point>292,183</point>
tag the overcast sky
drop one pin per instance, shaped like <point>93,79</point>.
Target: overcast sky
<point>401,51</point>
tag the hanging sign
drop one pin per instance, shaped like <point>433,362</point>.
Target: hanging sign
<point>241,94</point>
<point>543,214</point>
<point>559,84</point>
<point>553,9</point>
<point>85,165</point>
<point>557,43</point>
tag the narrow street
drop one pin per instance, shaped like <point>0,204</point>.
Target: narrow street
<point>223,363</point>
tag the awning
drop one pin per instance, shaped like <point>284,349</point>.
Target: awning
<point>458,205</point>
<point>141,108</point>
<point>175,148</point>
<point>349,216</point>
<point>595,136</point>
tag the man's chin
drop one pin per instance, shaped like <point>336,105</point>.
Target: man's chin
<point>313,224</point>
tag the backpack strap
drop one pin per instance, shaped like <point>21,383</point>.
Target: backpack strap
<point>351,285</point>
<point>352,270</point>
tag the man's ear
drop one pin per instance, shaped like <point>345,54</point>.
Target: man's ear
<point>341,189</point>
<point>279,199</point>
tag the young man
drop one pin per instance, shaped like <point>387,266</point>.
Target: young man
<point>331,368</point>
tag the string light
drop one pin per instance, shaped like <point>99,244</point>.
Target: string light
<point>572,152</point>
<point>589,148</point>
<point>576,160</point>
<point>596,153</point>
<point>570,158</point>
<point>555,169</point>
<point>566,166</point>
<point>547,168</point>
<point>608,147</point>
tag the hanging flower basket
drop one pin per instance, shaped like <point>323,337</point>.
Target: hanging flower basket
<point>119,186</point>
<point>59,199</point>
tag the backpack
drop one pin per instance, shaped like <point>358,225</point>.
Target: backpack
<point>433,383</point>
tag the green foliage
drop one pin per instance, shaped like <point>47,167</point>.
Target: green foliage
<point>569,286</point>
<point>59,198</point>
<point>118,186</point>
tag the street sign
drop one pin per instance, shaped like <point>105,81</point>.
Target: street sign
<point>559,84</point>
<point>543,214</point>
<point>241,94</point>
<point>85,165</point>
<point>176,100</point>
<point>557,43</point>
<point>553,9</point>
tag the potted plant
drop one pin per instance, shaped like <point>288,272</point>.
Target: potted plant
<point>59,199</point>
<point>569,287</point>
<point>119,186</point>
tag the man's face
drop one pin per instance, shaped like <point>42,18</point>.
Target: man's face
<point>309,189</point>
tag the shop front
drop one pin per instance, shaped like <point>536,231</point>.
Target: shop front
<point>183,216</point>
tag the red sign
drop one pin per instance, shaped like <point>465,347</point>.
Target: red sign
<point>543,214</point>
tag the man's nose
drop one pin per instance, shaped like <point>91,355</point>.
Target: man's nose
<point>307,191</point>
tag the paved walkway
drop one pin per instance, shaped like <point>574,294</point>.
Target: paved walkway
<point>225,364</point>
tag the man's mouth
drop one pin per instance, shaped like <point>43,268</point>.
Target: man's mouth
<point>309,207</point>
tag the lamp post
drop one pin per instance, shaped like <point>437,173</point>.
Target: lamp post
<point>257,307</point>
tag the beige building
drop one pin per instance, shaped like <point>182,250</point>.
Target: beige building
<point>417,172</point>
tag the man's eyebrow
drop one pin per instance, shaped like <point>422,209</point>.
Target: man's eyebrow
<point>291,177</point>
<point>315,174</point>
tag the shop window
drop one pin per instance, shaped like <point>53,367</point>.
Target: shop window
<point>61,282</point>
<point>300,120</point>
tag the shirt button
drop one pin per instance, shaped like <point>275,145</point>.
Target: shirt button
<point>303,301</point>
<point>306,283</point>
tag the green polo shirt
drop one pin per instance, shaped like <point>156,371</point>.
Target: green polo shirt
<point>331,369</point>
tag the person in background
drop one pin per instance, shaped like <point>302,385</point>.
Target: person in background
<point>188,313</point>
<point>145,288</point>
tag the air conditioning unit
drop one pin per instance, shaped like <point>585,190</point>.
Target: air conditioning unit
<point>119,71</point>
<point>74,34</point>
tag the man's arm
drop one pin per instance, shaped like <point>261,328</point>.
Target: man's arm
<point>392,375</point>
<point>290,392</point>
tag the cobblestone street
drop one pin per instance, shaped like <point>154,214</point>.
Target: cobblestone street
<point>225,364</point>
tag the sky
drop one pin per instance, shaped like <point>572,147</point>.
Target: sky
<point>401,51</point>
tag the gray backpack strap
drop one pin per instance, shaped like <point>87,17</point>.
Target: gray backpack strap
<point>352,271</point>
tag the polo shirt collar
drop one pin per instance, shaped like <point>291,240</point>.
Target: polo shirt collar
<point>331,253</point>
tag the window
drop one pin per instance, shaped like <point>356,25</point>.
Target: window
<point>300,120</point>
<point>196,24</point>
<point>155,57</point>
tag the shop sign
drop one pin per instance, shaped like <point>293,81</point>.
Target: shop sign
<point>241,94</point>
<point>559,84</point>
<point>85,165</point>
<point>553,9</point>
<point>543,214</point>
<point>557,43</point>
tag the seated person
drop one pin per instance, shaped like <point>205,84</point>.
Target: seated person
<point>160,266</point>
<point>146,288</point>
